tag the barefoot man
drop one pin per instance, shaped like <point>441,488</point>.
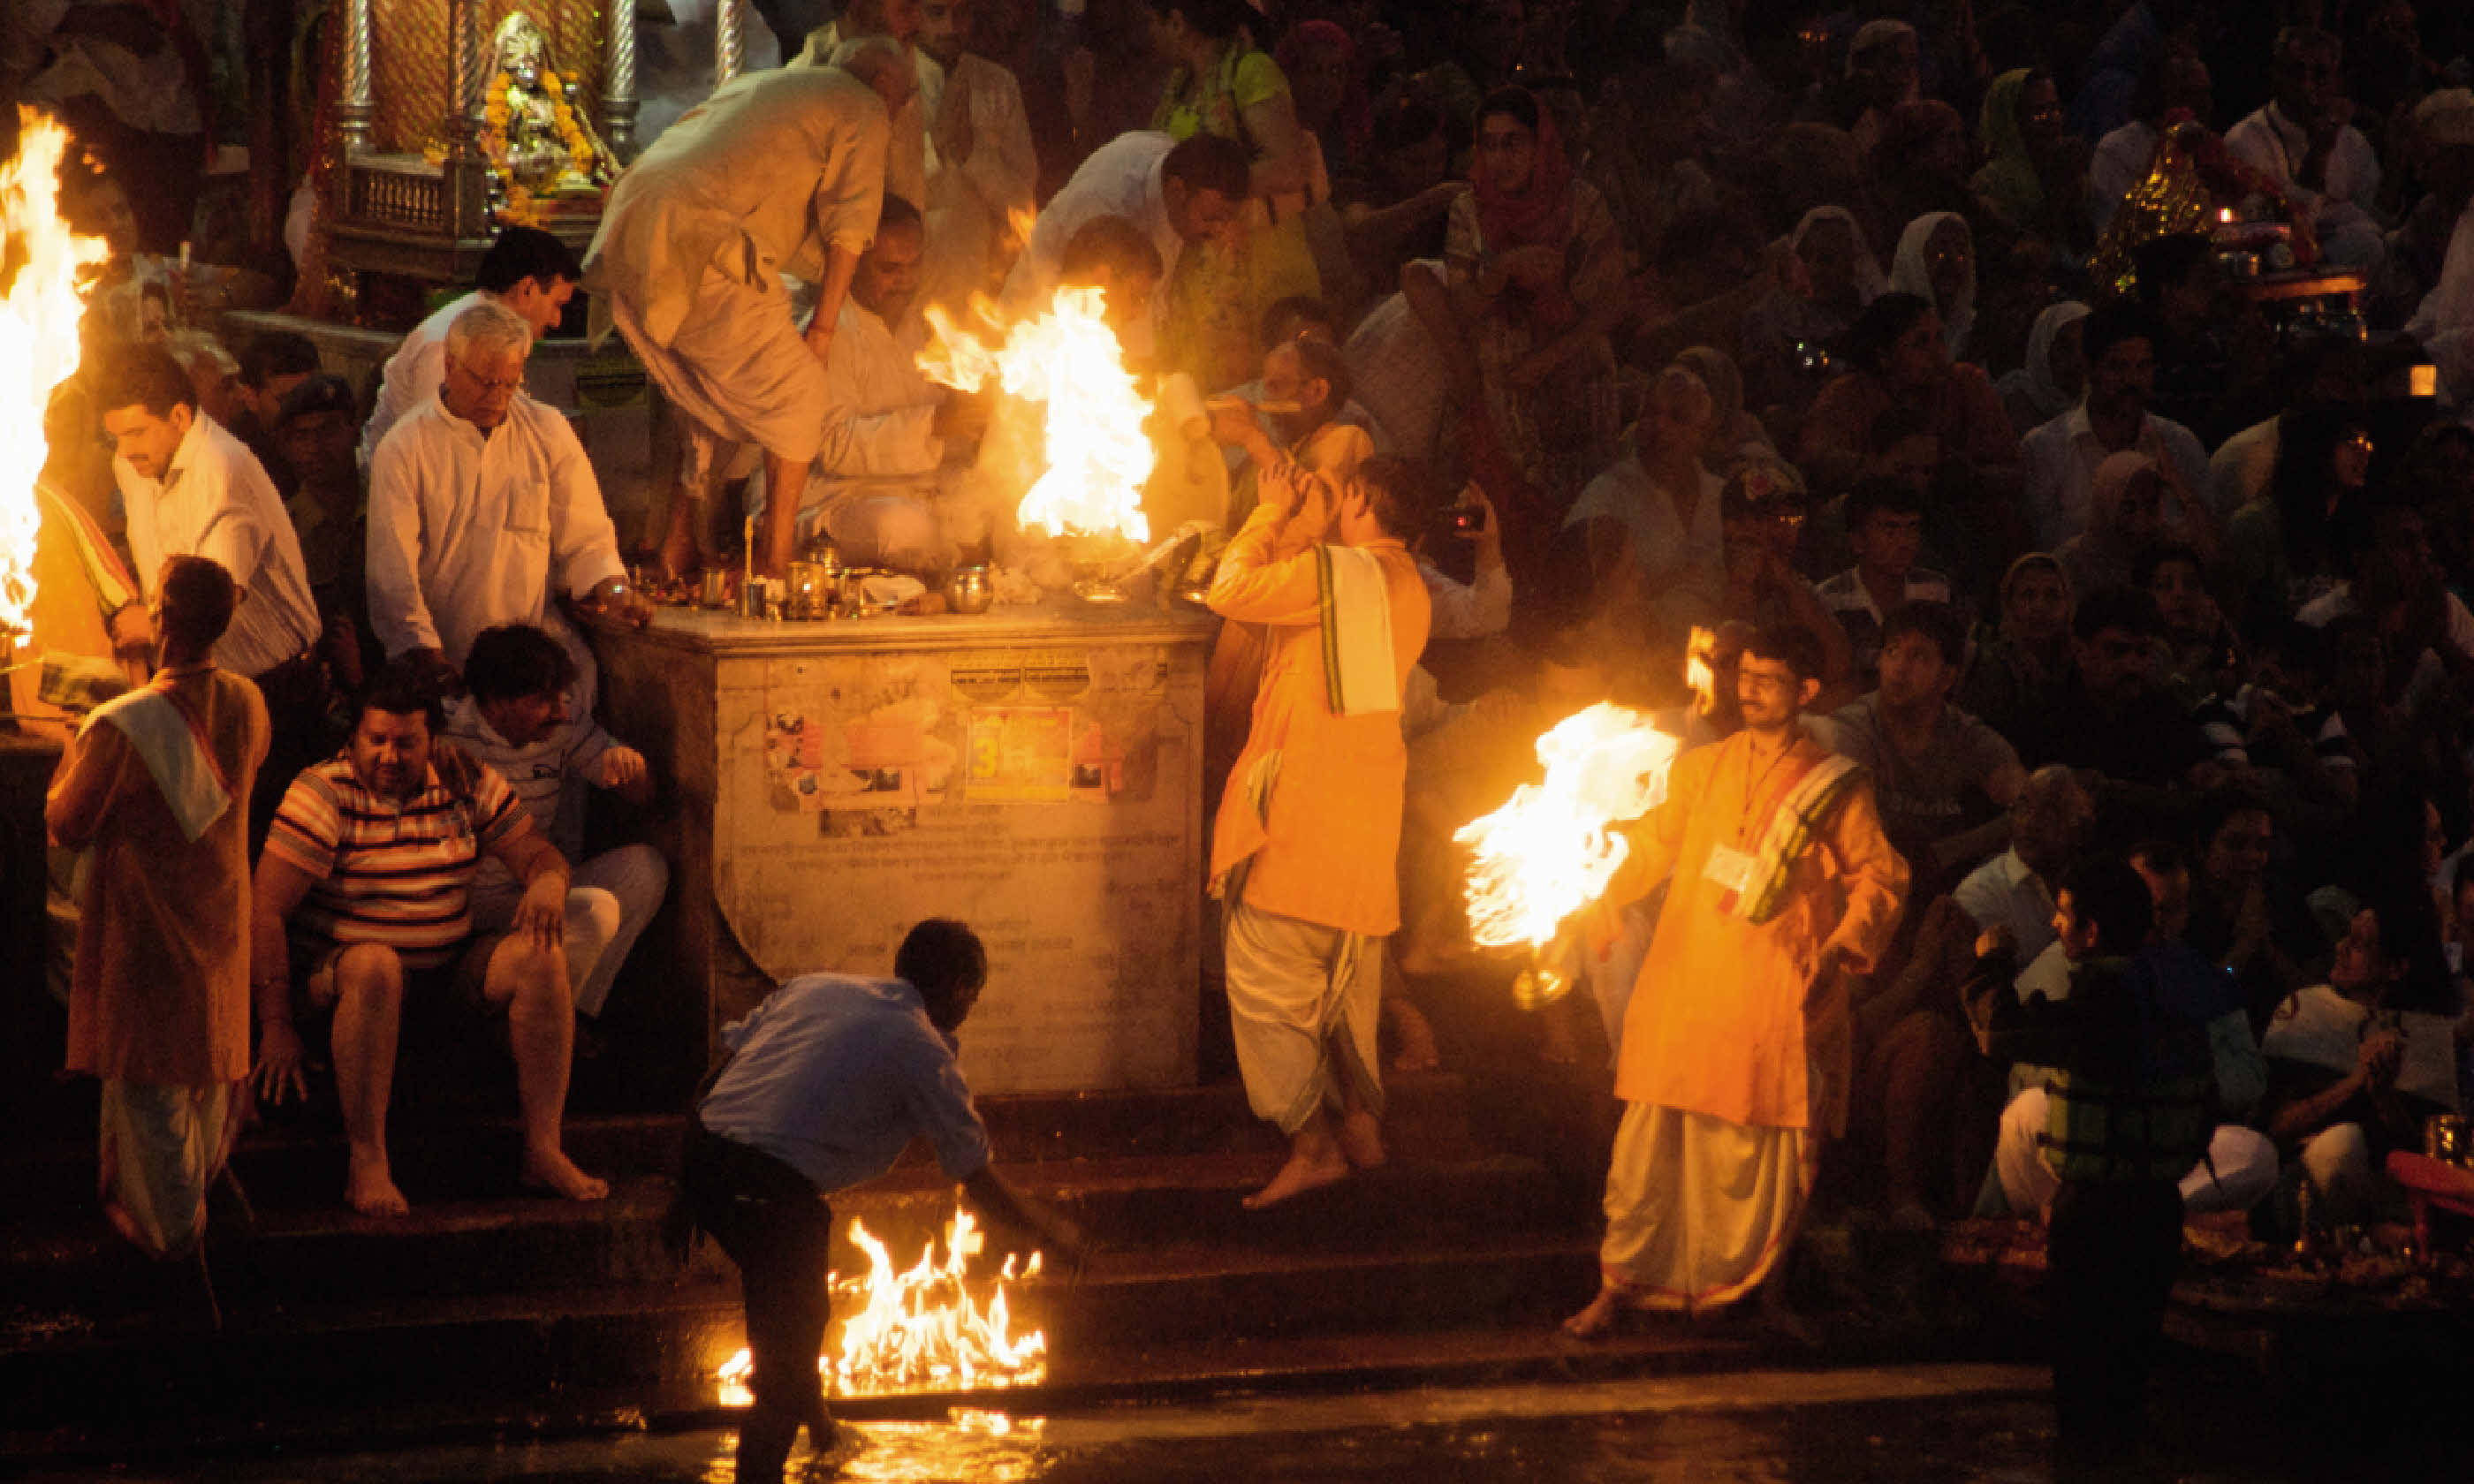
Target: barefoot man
<point>1734,1067</point>
<point>778,171</point>
<point>1303,853</point>
<point>363,918</point>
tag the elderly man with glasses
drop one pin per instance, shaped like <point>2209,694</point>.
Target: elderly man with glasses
<point>480,499</point>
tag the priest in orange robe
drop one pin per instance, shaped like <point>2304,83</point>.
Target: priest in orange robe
<point>1304,847</point>
<point>1735,1060</point>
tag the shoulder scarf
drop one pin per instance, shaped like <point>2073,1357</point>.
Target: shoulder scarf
<point>1794,825</point>
<point>1357,657</point>
<point>171,739</point>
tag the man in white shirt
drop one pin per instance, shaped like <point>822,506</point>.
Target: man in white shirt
<point>1175,192</point>
<point>2303,141</point>
<point>981,168</point>
<point>191,489</point>
<point>2113,416</point>
<point>777,172</point>
<point>875,485</point>
<point>526,270</point>
<point>481,503</point>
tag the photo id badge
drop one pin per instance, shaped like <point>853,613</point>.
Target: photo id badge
<point>1729,869</point>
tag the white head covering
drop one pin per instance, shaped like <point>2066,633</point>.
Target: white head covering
<point>1873,34</point>
<point>2443,323</point>
<point>1907,275</point>
<point>2036,379</point>
<point>1868,268</point>
<point>2446,116</point>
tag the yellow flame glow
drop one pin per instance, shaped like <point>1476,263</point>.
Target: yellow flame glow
<point>1551,849</point>
<point>38,340</point>
<point>1697,672</point>
<point>919,1329</point>
<point>1099,454</point>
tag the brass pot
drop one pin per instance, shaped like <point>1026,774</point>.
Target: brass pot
<point>969,590</point>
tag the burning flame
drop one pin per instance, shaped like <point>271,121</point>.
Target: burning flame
<point>1550,850</point>
<point>1099,454</point>
<point>919,1329</point>
<point>38,340</point>
<point>1697,672</point>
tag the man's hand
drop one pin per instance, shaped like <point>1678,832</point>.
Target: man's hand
<point>280,1058</point>
<point>431,661</point>
<point>132,641</point>
<point>622,770</point>
<point>1232,420</point>
<point>1488,538</point>
<point>542,914</point>
<point>1997,938</point>
<point>954,130</point>
<point>820,341</point>
<point>617,600</point>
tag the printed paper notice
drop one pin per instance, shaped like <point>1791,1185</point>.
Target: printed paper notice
<point>1020,754</point>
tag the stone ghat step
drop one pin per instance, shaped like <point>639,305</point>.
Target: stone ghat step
<point>78,1267</point>
<point>440,1157</point>
<point>540,1355</point>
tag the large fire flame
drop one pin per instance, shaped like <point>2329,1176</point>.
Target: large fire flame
<point>41,263</point>
<point>1099,454</point>
<point>919,1329</point>
<point>1552,849</point>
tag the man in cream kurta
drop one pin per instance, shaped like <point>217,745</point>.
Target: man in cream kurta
<point>778,172</point>
<point>1734,1064</point>
<point>1304,847</point>
<point>483,505</point>
<point>981,168</point>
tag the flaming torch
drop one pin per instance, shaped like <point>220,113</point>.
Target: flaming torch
<point>41,266</point>
<point>1099,453</point>
<point>1552,849</point>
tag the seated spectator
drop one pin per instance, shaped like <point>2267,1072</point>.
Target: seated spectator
<point>2035,182</point>
<point>1920,166</point>
<point>2210,348</point>
<point>1936,262</point>
<point>1764,515</point>
<point>1885,528</point>
<point>1402,380</point>
<point>2110,715</point>
<point>2178,82</point>
<point>1296,418</point>
<point>1655,527</point>
<point>1393,209</point>
<point>1938,773</point>
<point>2231,922</point>
<point>2050,819</point>
<point>1735,437</point>
<point>1882,74</point>
<point>1897,358</point>
<point>2279,723</point>
<point>2029,654</point>
<point>1481,607</point>
<point>2285,545</point>
<point>272,363</point>
<point>2204,655</point>
<point>2328,370</point>
<point>514,720</point>
<point>1789,336</point>
<point>2054,376</point>
<point>362,919</point>
<point>2126,516</point>
<point>2416,257</point>
<point>2356,1064</point>
<point>2062,456</point>
<point>2302,141</point>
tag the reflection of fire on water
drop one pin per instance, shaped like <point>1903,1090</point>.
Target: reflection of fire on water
<point>1099,454</point>
<point>1551,851</point>
<point>41,262</point>
<point>920,1329</point>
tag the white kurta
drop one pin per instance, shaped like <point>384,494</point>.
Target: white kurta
<point>469,528</point>
<point>215,501</point>
<point>412,374</point>
<point>762,177</point>
<point>1122,177</point>
<point>968,201</point>
<point>2274,145</point>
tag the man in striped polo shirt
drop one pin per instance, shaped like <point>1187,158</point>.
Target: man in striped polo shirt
<point>362,911</point>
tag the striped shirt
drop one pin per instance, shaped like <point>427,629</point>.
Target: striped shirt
<point>394,872</point>
<point>2226,725</point>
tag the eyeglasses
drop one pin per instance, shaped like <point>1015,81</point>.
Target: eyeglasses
<point>494,386</point>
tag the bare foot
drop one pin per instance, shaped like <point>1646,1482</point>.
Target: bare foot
<point>1306,1171</point>
<point>552,1171</point>
<point>1603,1317</point>
<point>1417,1052</point>
<point>1361,1139</point>
<point>369,1188</point>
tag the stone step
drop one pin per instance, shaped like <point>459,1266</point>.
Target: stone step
<point>329,1253</point>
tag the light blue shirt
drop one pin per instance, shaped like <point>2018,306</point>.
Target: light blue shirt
<point>833,1076</point>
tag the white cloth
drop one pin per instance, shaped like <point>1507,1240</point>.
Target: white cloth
<point>2443,323</point>
<point>151,93</point>
<point>215,501</point>
<point>1303,1001</point>
<point>883,423</point>
<point>1466,611</point>
<point>161,1147</point>
<point>1357,632</point>
<point>413,374</point>
<point>967,202</point>
<point>470,529</point>
<point>2242,464</point>
<point>2274,145</point>
<point>1700,1209</point>
<point>1400,376</point>
<point>2238,1173</point>
<point>1668,552</point>
<point>2032,386</point>
<point>2062,458</point>
<point>2003,891</point>
<point>1908,274</point>
<point>177,757</point>
<point>1122,177</point>
<point>2320,1027</point>
<point>2119,162</point>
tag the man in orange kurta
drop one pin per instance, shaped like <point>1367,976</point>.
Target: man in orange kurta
<point>158,786</point>
<point>1734,1064</point>
<point>1304,846</point>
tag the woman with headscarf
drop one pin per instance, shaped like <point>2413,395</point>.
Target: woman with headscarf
<point>1919,165</point>
<point>1222,85</point>
<point>1532,280</point>
<point>2028,657</point>
<point>1655,534</point>
<point>1328,81</point>
<point>1936,262</point>
<point>1791,335</point>
<point>2055,374</point>
<point>2125,517</point>
<point>1735,437</point>
<point>2032,180</point>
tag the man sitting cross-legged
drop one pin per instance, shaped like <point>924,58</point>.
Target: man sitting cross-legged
<point>362,910</point>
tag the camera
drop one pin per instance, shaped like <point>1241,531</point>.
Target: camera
<point>1458,522</point>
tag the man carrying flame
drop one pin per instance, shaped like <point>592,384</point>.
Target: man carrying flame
<point>1304,849</point>
<point>1734,1066</point>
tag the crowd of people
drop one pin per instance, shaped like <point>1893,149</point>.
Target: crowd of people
<point>2073,824</point>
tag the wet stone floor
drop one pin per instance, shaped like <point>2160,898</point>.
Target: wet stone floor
<point>1922,1423</point>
